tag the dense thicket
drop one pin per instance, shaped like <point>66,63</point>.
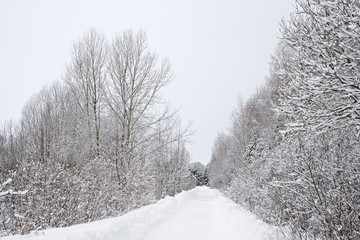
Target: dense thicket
<point>292,153</point>
<point>97,144</point>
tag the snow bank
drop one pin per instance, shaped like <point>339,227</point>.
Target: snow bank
<point>201,212</point>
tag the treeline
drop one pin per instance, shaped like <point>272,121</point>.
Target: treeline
<point>98,143</point>
<point>292,154</point>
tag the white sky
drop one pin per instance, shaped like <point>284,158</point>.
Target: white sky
<point>218,50</point>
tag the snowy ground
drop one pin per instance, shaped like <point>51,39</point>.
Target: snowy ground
<point>201,213</point>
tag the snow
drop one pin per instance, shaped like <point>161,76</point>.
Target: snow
<point>201,213</point>
<point>18,216</point>
<point>7,182</point>
<point>12,192</point>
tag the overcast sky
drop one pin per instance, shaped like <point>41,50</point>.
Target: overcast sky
<point>218,50</point>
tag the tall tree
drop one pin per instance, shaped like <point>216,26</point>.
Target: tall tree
<point>135,79</point>
<point>86,75</point>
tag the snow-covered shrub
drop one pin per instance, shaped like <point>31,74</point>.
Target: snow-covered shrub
<point>295,144</point>
<point>94,145</point>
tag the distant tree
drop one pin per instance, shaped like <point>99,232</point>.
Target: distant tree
<point>198,171</point>
<point>10,146</point>
<point>218,174</point>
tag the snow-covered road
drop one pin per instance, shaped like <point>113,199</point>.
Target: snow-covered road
<point>201,213</point>
<point>206,214</point>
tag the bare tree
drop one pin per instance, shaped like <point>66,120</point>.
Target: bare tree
<point>109,108</point>
<point>133,96</point>
<point>86,76</point>
<point>10,146</point>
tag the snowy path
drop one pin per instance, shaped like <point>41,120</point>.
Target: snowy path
<point>201,213</point>
<point>206,214</point>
